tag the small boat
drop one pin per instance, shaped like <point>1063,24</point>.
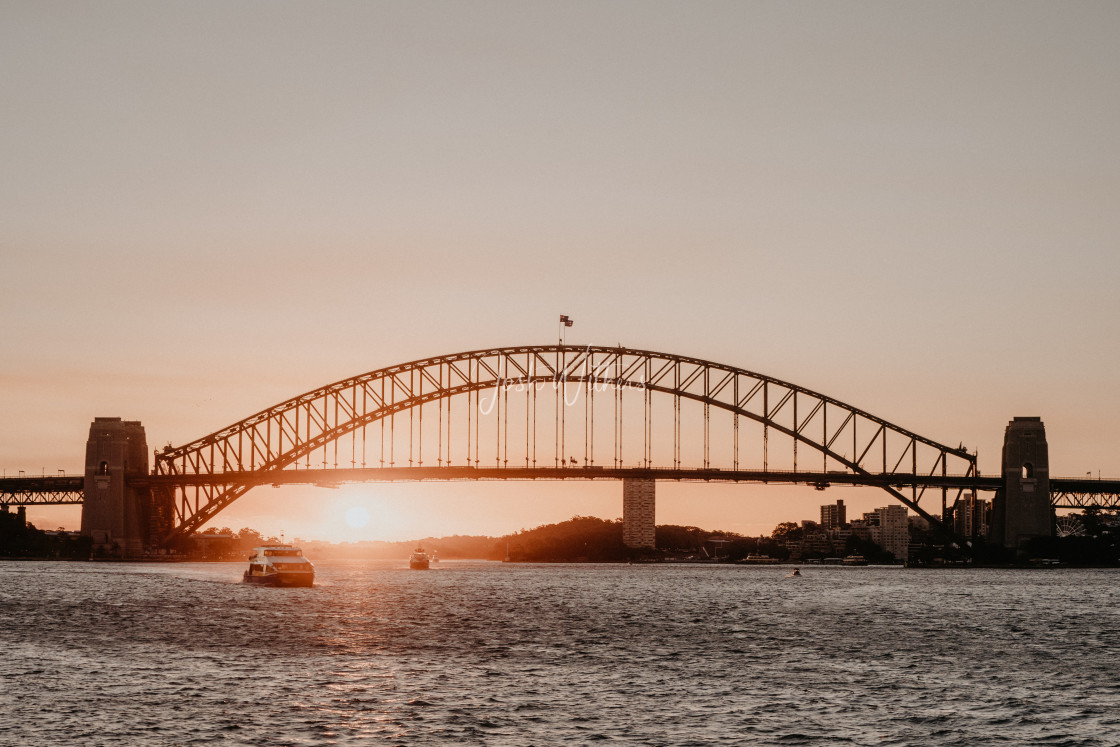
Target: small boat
<point>418,560</point>
<point>434,558</point>
<point>855,560</point>
<point>279,565</point>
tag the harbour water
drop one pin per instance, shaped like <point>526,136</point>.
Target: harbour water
<point>507,654</point>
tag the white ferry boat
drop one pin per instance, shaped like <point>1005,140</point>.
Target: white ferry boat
<point>279,565</point>
<point>418,560</point>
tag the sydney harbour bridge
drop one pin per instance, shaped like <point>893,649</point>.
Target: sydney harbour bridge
<point>551,412</point>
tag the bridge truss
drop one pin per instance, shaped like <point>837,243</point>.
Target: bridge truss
<point>42,490</point>
<point>1084,493</point>
<point>556,411</point>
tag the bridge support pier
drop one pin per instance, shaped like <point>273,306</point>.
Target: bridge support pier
<point>1021,510</point>
<point>638,513</point>
<point>112,512</point>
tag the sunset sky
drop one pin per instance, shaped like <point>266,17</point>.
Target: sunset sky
<point>209,207</point>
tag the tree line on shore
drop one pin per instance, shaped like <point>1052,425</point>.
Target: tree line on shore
<point>21,540</point>
<point>581,539</point>
<point>595,540</point>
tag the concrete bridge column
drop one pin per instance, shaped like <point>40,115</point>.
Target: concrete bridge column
<point>113,513</point>
<point>1021,510</point>
<point>638,509</point>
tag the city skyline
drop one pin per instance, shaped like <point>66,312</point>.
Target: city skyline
<point>213,208</point>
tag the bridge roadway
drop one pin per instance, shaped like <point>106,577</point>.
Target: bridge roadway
<point>335,476</point>
<point>59,490</point>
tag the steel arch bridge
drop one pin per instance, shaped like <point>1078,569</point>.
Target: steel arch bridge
<point>527,412</point>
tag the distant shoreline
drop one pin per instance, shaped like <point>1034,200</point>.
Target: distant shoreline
<point>1036,566</point>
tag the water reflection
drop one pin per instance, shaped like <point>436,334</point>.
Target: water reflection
<point>494,653</point>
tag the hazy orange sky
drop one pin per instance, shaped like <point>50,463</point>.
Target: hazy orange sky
<point>209,207</point>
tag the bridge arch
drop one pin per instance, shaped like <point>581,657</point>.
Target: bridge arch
<point>279,437</point>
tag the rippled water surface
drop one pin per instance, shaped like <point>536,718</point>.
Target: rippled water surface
<point>491,653</point>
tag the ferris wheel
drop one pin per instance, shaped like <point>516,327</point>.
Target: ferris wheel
<point>1069,526</point>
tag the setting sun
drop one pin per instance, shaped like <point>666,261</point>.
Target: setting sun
<point>357,517</point>
<point>357,514</point>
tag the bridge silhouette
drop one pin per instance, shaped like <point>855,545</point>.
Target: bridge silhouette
<point>541,412</point>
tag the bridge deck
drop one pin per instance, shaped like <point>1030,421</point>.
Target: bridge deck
<point>57,490</point>
<point>44,489</point>
<point>330,477</point>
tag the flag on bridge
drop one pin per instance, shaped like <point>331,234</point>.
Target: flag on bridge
<point>565,320</point>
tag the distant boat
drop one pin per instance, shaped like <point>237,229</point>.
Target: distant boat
<point>754,559</point>
<point>855,560</point>
<point>418,561</point>
<point>434,558</point>
<point>279,565</point>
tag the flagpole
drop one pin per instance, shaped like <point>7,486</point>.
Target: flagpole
<point>557,383</point>
<point>561,334</point>
<point>561,390</point>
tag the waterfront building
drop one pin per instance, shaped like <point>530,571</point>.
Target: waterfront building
<point>860,529</point>
<point>892,531</point>
<point>840,536</point>
<point>970,516</point>
<point>816,543</point>
<point>834,516</point>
